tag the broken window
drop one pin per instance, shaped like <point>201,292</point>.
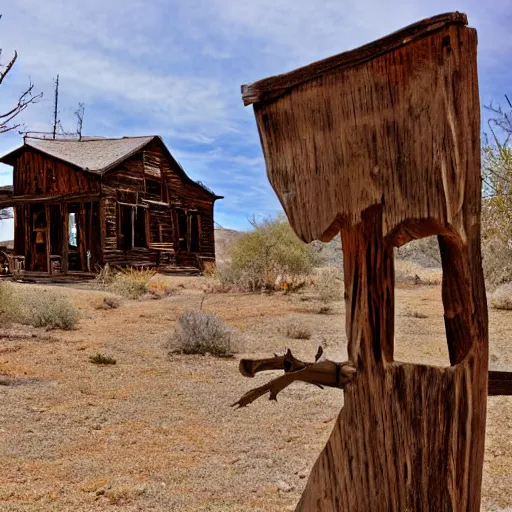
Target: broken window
<point>182,229</point>
<point>154,189</point>
<point>194,232</point>
<point>132,227</point>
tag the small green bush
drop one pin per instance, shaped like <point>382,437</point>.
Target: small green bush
<point>101,359</point>
<point>268,254</point>
<point>37,307</point>
<point>201,332</point>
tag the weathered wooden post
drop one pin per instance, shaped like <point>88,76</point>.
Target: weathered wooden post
<point>382,144</point>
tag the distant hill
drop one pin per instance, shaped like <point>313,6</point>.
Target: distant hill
<point>224,239</point>
<point>7,243</point>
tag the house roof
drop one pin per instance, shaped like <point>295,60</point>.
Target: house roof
<point>95,155</point>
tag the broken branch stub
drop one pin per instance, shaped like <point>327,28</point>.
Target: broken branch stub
<point>320,373</point>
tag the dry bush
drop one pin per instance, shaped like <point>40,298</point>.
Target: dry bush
<point>130,283</point>
<point>37,307</point>
<point>109,302</point>
<point>423,252</point>
<point>329,284</point>
<point>266,256</point>
<point>501,298</point>
<point>201,332</point>
<point>296,330</point>
<point>410,272</point>
<point>157,289</point>
<point>496,262</point>
<point>101,359</point>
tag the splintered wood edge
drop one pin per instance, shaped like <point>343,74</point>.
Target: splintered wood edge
<point>272,87</point>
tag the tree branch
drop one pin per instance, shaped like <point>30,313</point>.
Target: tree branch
<point>320,373</point>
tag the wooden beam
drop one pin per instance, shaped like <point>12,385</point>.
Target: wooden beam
<point>500,383</point>
<point>275,86</point>
<point>65,237</point>
<point>77,197</point>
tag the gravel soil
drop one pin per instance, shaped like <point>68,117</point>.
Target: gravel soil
<point>155,432</point>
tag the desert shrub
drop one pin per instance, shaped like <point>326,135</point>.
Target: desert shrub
<point>201,332</point>
<point>298,332</point>
<point>295,329</point>
<point>501,298</point>
<point>101,359</point>
<point>105,276</point>
<point>130,283</point>
<point>109,302</point>
<point>36,307</point>
<point>157,289</point>
<point>496,262</point>
<point>423,252</point>
<point>329,284</point>
<point>410,272</point>
<point>268,254</point>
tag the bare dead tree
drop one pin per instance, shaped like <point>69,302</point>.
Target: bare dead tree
<point>7,119</point>
<point>79,113</point>
<point>502,118</point>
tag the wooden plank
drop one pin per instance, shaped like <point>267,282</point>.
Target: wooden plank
<point>500,383</point>
<point>272,87</point>
<point>384,147</point>
<point>65,237</point>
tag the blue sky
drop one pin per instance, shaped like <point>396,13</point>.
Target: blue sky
<point>174,68</point>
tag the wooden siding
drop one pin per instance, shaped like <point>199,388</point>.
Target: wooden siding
<point>36,174</point>
<point>96,200</point>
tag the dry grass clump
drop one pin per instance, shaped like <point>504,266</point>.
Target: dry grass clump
<point>410,272</point>
<point>109,302</point>
<point>101,359</point>
<point>501,298</point>
<point>496,262</point>
<point>201,332</point>
<point>129,283</point>
<point>296,330</point>
<point>329,284</point>
<point>37,307</point>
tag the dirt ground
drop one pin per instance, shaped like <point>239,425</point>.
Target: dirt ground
<point>156,432</point>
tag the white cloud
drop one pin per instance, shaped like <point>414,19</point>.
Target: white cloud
<point>174,68</point>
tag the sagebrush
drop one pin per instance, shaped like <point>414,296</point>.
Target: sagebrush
<point>202,332</point>
<point>266,256</point>
<point>37,307</point>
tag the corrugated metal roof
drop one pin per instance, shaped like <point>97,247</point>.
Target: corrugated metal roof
<point>93,155</point>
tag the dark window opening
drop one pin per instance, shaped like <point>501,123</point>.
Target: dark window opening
<point>182,230</point>
<point>55,230</point>
<point>132,227</point>
<point>126,234</point>
<point>194,232</point>
<point>139,227</point>
<point>154,189</point>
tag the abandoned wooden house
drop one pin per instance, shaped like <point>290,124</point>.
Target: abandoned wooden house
<point>80,204</point>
